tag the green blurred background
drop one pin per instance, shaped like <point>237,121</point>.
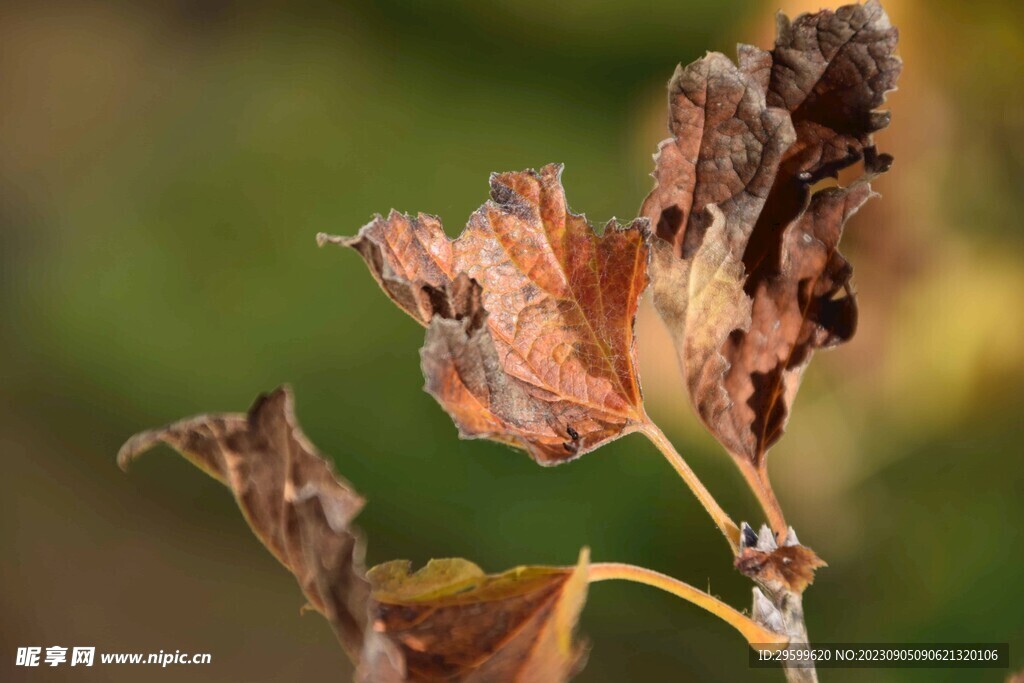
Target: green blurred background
<point>165,167</point>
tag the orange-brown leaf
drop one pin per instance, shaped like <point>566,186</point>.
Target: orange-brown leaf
<point>451,622</point>
<point>529,313</point>
<point>290,495</point>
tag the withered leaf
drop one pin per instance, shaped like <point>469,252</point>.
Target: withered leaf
<point>451,622</point>
<point>290,495</point>
<point>749,278</point>
<point>529,315</point>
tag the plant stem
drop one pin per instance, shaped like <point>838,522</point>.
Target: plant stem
<point>722,520</point>
<point>753,632</point>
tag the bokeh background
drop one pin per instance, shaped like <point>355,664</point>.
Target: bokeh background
<point>165,166</point>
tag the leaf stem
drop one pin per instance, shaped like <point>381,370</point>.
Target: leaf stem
<point>757,478</point>
<point>752,631</point>
<point>722,520</point>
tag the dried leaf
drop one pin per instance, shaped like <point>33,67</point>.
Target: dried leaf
<point>749,280</point>
<point>451,622</point>
<point>290,495</point>
<point>529,315</point>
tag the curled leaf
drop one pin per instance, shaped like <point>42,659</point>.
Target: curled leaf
<point>749,278</point>
<point>291,497</point>
<point>450,621</point>
<point>529,313</point>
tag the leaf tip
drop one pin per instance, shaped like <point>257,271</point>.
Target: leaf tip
<point>134,447</point>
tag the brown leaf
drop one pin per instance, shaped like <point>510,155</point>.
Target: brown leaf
<point>290,496</point>
<point>757,283</point>
<point>451,622</point>
<point>529,315</point>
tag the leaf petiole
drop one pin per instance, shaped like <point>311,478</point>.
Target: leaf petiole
<point>721,518</point>
<point>753,632</point>
<point>761,485</point>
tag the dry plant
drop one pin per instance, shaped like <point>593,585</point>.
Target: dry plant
<point>529,318</point>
